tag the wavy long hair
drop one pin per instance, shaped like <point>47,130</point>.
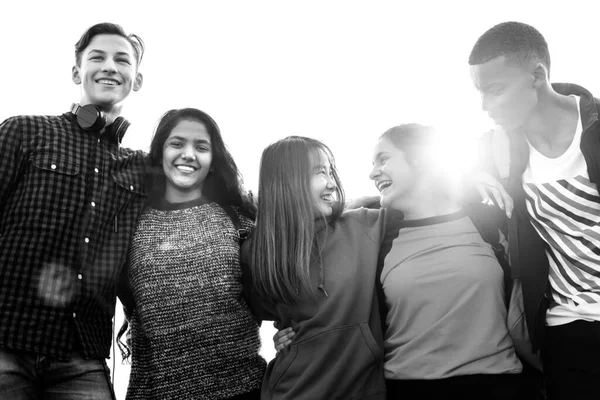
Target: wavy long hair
<point>285,232</point>
<point>223,184</point>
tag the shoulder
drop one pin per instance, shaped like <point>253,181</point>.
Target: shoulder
<point>486,218</point>
<point>362,216</point>
<point>138,155</point>
<point>365,220</point>
<point>33,121</point>
<point>245,221</point>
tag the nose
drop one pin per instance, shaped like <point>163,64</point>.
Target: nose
<point>331,182</point>
<point>109,65</point>
<point>375,172</point>
<point>486,103</point>
<point>188,153</point>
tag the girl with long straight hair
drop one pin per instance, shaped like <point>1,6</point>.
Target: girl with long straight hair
<point>312,268</point>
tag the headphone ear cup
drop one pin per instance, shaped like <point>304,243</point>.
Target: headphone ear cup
<point>119,127</point>
<point>90,117</point>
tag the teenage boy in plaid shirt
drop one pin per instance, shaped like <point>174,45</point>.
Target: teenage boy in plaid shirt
<point>69,198</point>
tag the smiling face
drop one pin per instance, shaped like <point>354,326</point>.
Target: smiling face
<point>394,176</point>
<point>322,185</point>
<point>107,72</point>
<point>186,161</point>
<point>508,91</point>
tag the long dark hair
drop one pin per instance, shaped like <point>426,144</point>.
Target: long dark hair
<point>223,184</point>
<point>284,236</point>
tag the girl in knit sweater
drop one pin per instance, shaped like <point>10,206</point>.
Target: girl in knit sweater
<point>192,333</point>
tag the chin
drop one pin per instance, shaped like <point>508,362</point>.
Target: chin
<point>385,201</point>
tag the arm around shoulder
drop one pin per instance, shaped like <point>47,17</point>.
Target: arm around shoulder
<point>12,160</point>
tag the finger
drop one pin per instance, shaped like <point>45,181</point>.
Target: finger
<point>283,340</point>
<point>498,199</point>
<point>282,346</point>
<point>508,202</point>
<point>282,333</point>
<point>483,193</point>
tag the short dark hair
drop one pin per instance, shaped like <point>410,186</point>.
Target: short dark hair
<point>517,41</point>
<point>224,182</point>
<point>107,28</point>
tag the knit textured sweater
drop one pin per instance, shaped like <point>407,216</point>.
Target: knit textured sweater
<point>192,333</point>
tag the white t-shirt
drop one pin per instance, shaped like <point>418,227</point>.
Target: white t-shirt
<point>564,207</point>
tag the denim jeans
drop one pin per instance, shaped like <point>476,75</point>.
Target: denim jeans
<point>27,376</point>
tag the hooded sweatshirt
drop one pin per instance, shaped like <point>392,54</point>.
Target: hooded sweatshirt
<point>337,352</point>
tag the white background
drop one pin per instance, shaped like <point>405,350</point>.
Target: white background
<point>340,71</point>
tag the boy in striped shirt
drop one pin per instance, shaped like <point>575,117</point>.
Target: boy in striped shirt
<point>552,176</point>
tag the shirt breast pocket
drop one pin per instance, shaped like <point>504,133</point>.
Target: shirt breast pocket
<point>54,184</point>
<point>55,163</point>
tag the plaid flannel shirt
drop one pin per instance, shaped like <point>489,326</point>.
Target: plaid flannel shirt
<point>69,200</point>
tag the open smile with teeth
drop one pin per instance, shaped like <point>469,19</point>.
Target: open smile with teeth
<point>382,185</point>
<point>327,197</point>
<point>109,82</point>
<point>187,169</point>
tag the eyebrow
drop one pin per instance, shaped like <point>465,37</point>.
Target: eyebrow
<point>119,53</point>
<point>185,139</point>
<point>378,155</point>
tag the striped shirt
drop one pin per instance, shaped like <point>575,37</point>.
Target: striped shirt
<point>565,210</point>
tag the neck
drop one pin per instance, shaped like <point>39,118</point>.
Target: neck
<point>550,118</point>
<point>178,196</point>
<point>430,205</point>
<point>112,111</point>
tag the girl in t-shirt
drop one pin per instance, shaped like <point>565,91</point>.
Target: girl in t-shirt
<point>446,332</point>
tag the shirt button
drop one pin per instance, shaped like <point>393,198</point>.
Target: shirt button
<point>98,140</point>
<point>93,204</point>
<point>131,187</point>
<point>79,276</point>
<point>96,170</point>
<point>87,240</point>
<point>74,315</point>
<point>53,166</point>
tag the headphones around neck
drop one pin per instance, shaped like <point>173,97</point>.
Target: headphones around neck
<point>91,118</point>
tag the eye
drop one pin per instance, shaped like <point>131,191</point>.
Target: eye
<point>496,90</point>
<point>176,145</point>
<point>124,61</point>
<point>202,148</point>
<point>96,58</point>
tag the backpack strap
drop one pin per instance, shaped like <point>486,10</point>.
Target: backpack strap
<point>489,221</point>
<point>393,224</point>
<point>241,232</point>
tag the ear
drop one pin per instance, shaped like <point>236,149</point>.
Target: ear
<point>75,75</point>
<point>540,75</point>
<point>138,81</point>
